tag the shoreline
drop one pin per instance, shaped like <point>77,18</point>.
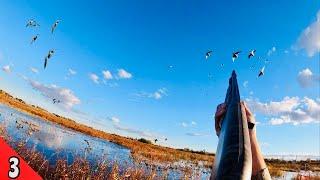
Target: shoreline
<point>140,151</point>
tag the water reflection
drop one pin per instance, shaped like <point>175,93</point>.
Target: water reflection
<point>55,142</point>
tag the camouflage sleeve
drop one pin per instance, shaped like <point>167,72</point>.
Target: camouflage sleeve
<point>263,174</point>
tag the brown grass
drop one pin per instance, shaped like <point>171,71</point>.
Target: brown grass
<point>293,166</point>
<point>274,172</point>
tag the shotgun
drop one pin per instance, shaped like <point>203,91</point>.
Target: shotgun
<point>233,158</point>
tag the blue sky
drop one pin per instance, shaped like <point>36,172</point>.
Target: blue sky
<point>140,95</point>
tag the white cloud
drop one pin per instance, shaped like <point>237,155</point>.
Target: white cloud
<point>183,124</point>
<point>306,78</point>
<point>158,94</point>
<point>52,139</point>
<point>107,75</point>
<point>94,78</point>
<point>271,51</point>
<point>7,68</point>
<point>309,39</point>
<point>280,120</point>
<point>192,123</point>
<point>115,120</point>
<point>245,84</point>
<point>71,72</point>
<point>123,74</point>
<point>290,110</point>
<point>34,70</point>
<point>66,96</point>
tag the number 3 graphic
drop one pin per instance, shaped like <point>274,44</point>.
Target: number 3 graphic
<point>14,167</point>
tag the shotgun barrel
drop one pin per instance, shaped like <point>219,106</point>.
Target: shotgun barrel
<point>233,158</point>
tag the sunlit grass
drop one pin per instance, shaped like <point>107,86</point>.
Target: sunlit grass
<point>274,172</point>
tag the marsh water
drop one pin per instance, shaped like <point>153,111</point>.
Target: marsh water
<point>56,141</point>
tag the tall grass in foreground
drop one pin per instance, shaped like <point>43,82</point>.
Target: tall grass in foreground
<point>275,172</point>
<point>81,168</point>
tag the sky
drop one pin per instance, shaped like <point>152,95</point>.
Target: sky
<point>138,68</point>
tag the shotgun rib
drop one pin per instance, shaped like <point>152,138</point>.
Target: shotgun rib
<point>233,156</point>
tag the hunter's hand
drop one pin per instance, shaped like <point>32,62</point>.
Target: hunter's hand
<point>250,118</point>
<point>221,110</point>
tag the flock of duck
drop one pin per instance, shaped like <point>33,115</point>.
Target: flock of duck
<point>31,24</point>
<point>235,56</point>
<point>31,128</point>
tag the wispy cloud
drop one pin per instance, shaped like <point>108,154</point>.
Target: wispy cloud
<point>65,95</point>
<point>7,68</point>
<point>307,79</point>
<point>34,70</point>
<point>245,84</point>
<point>309,39</point>
<point>107,75</point>
<point>110,84</point>
<point>94,78</point>
<point>290,110</point>
<point>116,124</point>
<point>123,74</point>
<point>133,131</point>
<point>185,124</point>
<point>71,72</point>
<point>271,51</point>
<point>158,94</point>
<point>197,134</point>
<point>114,120</point>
